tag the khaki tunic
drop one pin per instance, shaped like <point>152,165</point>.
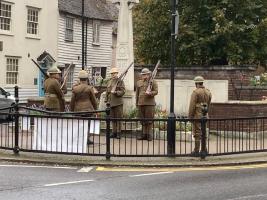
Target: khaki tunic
<point>199,97</point>
<point>146,103</point>
<point>142,99</point>
<point>115,99</point>
<point>83,99</point>
<point>64,89</point>
<point>54,98</point>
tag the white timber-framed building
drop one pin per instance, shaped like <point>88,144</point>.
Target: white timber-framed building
<point>49,31</point>
<point>99,36</point>
<point>25,32</point>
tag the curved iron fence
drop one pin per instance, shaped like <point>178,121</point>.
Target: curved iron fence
<point>35,130</point>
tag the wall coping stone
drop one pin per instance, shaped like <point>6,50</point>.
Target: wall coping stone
<point>202,68</point>
<point>241,103</point>
<point>251,87</point>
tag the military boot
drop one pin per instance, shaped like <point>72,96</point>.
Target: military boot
<point>142,137</point>
<point>113,135</point>
<point>89,142</point>
<point>195,153</point>
<point>143,134</point>
<point>118,136</point>
<point>149,137</point>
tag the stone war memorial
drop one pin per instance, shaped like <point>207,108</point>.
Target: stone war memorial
<point>124,47</point>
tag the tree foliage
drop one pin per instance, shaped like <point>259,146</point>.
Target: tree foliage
<point>210,32</point>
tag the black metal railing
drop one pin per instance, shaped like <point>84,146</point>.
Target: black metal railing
<point>231,136</point>
<point>35,130</point>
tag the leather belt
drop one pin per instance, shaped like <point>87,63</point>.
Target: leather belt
<point>50,95</point>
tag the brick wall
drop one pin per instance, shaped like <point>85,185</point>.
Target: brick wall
<point>237,110</point>
<point>238,77</point>
<point>251,93</point>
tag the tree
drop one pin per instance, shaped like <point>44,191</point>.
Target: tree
<point>210,32</point>
<point>151,31</point>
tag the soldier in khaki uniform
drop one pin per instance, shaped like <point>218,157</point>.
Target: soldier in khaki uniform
<point>54,97</point>
<point>83,97</point>
<point>200,97</point>
<point>114,98</point>
<point>146,103</point>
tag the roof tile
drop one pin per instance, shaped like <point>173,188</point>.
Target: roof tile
<point>94,9</point>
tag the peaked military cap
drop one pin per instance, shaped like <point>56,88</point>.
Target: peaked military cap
<point>53,69</point>
<point>83,74</point>
<point>114,70</point>
<point>145,71</point>
<point>199,79</point>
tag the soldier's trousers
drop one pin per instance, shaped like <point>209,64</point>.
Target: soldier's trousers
<point>197,134</point>
<point>196,130</point>
<point>146,112</point>
<point>116,112</point>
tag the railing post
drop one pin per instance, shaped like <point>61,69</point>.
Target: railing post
<point>204,151</point>
<point>16,119</point>
<point>108,132</point>
<point>171,129</point>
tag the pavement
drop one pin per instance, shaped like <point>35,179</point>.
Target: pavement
<point>78,160</point>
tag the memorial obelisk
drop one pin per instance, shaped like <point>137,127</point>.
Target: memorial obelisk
<point>124,47</point>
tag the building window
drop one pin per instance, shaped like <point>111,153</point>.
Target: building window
<point>32,21</point>
<point>69,29</point>
<point>96,32</point>
<point>12,67</point>
<point>70,76</point>
<point>67,74</point>
<point>98,74</point>
<point>5,16</point>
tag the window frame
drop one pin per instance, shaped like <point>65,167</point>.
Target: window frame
<point>37,23</point>
<point>70,78</point>
<point>96,32</point>
<point>71,29</point>
<point>14,70</point>
<point>10,4</point>
<point>98,72</point>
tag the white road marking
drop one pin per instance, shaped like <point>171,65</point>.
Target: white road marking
<point>150,174</point>
<point>67,183</point>
<point>249,197</point>
<point>85,169</point>
<point>38,166</point>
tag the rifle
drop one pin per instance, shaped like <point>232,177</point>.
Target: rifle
<point>152,77</point>
<point>40,68</point>
<point>121,77</point>
<point>66,75</point>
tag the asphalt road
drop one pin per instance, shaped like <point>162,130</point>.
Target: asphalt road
<point>32,182</point>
